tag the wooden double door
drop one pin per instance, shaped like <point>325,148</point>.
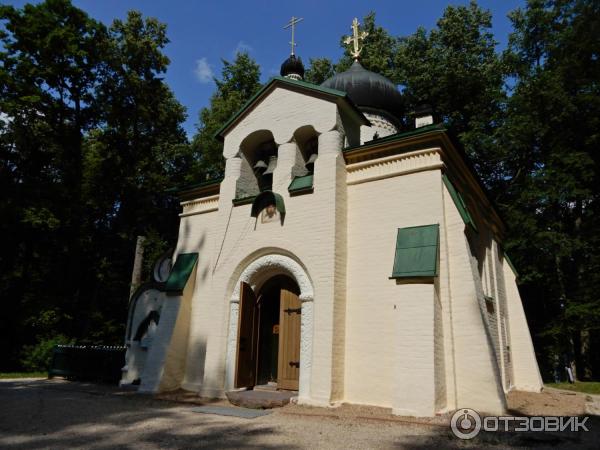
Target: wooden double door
<point>268,347</point>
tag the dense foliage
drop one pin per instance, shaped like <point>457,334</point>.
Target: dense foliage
<point>91,138</point>
<point>551,180</point>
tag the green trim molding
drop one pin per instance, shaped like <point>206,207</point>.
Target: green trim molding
<point>265,199</point>
<point>300,185</point>
<point>180,273</point>
<point>190,187</point>
<point>243,200</point>
<point>417,250</point>
<point>397,137</point>
<point>459,201</point>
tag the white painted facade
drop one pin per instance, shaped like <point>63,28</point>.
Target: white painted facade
<point>419,346</point>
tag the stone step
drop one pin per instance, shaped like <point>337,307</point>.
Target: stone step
<point>266,387</point>
<point>260,399</point>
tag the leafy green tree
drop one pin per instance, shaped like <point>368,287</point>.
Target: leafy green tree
<point>552,180</point>
<point>240,79</point>
<point>51,59</point>
<point>90,139</point>
<point>319,70</point>
<point>142,144</point>
<point>455,69</point>
<point>38,357</point>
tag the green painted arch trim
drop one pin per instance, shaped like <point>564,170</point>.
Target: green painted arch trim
<point>267,198</point>
<point>180,273</point>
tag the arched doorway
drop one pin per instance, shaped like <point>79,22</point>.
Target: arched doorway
<point>269,325</point>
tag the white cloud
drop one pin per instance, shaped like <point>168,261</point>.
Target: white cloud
<point>204,72</point>
<point>242,47</point>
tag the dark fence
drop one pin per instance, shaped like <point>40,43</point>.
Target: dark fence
<point>88,362</point>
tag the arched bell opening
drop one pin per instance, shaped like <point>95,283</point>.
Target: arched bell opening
<point>258,152</point>
<point>307,139</point>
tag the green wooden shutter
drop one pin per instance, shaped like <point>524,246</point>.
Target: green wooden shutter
<point>180,273</point>
<point>417,252</point>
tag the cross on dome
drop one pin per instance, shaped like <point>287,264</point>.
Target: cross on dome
<point>292,24</point>
<point>355,39</point>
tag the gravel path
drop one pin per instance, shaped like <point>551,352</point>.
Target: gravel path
<point>56,414</point>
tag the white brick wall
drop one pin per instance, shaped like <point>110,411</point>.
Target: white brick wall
<point>526,374</point>
<point>374,302</point>
<point>313,234</point>
<point>477,378</point>
<point>441,391</point>
<point>413,350</point>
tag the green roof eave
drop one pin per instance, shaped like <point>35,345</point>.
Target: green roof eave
<point>431,131</point>
<point>511,265</point>
<point>460,203</point>
<point>312,86</point>
<point>398,137</point>
<point>189,187</point>
<point>297,83</point>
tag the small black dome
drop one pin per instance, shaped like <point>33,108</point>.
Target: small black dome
<point>367,89</point>
<point>292,66</point>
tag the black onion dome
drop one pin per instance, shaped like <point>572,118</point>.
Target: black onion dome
<point>292,66</point>
<point>367,89</point>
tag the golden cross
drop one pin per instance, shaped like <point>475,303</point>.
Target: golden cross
<point>355,39</point>
<point>292,23</point>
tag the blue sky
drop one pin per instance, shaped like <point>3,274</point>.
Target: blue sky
<point>203,32</point>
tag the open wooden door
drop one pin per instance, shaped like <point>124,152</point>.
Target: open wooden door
<point>288,370</point>
<point>245,370</point>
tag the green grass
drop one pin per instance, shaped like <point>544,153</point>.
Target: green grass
<point>587,387</point>
<point>5,375</point>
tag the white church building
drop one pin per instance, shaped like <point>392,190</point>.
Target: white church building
<point>340,257</point>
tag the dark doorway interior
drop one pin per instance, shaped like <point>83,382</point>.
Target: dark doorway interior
<point>268,338</point>
<point>268,348</point>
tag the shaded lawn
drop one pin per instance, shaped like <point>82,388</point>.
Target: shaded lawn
<point>6,375</point>
<point>587,387</point>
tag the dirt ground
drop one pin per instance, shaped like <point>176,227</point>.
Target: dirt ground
<point>57,414</point>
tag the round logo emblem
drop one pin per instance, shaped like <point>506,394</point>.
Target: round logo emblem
<point>465,423</point>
